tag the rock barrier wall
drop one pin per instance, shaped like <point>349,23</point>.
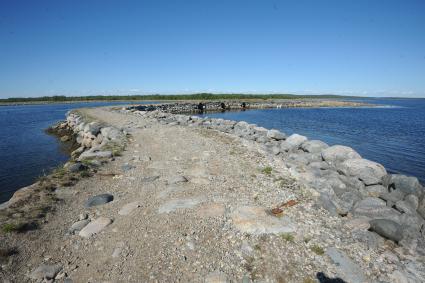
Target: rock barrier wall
<point>392,205</point>
<point>214,106</point>
<point>96,140</point>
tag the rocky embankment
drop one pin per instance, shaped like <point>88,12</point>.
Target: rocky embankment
<point>213,106</point>
<point>151,196</point>
<point>386,206</point>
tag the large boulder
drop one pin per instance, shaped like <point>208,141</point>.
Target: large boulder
<point>387,229</point>
<point>405,184</point>
<point>339,153</point>
<point>374,208</point>
<point>369,172</point>
<point>93,128</point>
<point>292,142</point>
<point>313,146</point>
<point>275,135</point>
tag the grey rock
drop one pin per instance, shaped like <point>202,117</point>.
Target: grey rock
<point>346,202</point>
<point>95,154</point>
<point>275,150</point>
<point>45,271</point>
<point>408,185</point>
<point>346,268</point>
<point>319,165</point>
<point>78,226</point>
<point>276,135</point>
<point>326,202</point>
<point>313,146</point>
<point>292,142</point>
<point>127,167</point>
<point>95,227</point>
<point>404,207</point>
<point>372,240</point>
<point>376,190</point>
<point>369,172</point>
<point>99,200</point>
<point>375,209</point>
<point>76,167</point>
<point>339,153</point>
<point>421,207</point>
<point>93,128</point>
<point>387,229</point>
<point>392,197</point>
<point>412,200</point>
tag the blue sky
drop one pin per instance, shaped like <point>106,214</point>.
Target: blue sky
<point>371,48</point>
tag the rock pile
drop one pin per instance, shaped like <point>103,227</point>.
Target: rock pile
<point>95,140</point>
<point>347,185</point>
<point>187,107</point>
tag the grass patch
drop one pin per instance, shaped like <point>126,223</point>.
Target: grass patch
<point>317,249</point>
<point>12,227</point>
<point>267,170</point>
<point>287,237</point>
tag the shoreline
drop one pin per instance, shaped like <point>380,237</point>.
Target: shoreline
<point>336,178</point>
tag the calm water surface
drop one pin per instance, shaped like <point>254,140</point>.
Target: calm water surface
<point>26,152</point>
<point>393,136</point>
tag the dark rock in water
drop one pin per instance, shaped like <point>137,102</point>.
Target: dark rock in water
<point>99,200</point>
<point>387,229</point>
<point>407,185</point>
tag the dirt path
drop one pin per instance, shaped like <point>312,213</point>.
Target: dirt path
<point>197,209</point>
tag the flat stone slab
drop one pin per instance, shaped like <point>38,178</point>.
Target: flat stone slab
<point>128,208</point>
<point>95,227</point>
<point>173,205</point>
<point>346,268</point>
<point>255,220</point>
<point>211,210</point>
<point>99,200</point>
<point>45,271</point>
<point>78,226</point>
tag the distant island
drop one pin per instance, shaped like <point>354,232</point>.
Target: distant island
<point>196,96</point>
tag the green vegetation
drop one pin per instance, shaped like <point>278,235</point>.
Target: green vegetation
<point>11,227</point>
<point>197,96</point>
<point>317,249</point>
<point>287,237</point>
<point>267,170</point>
